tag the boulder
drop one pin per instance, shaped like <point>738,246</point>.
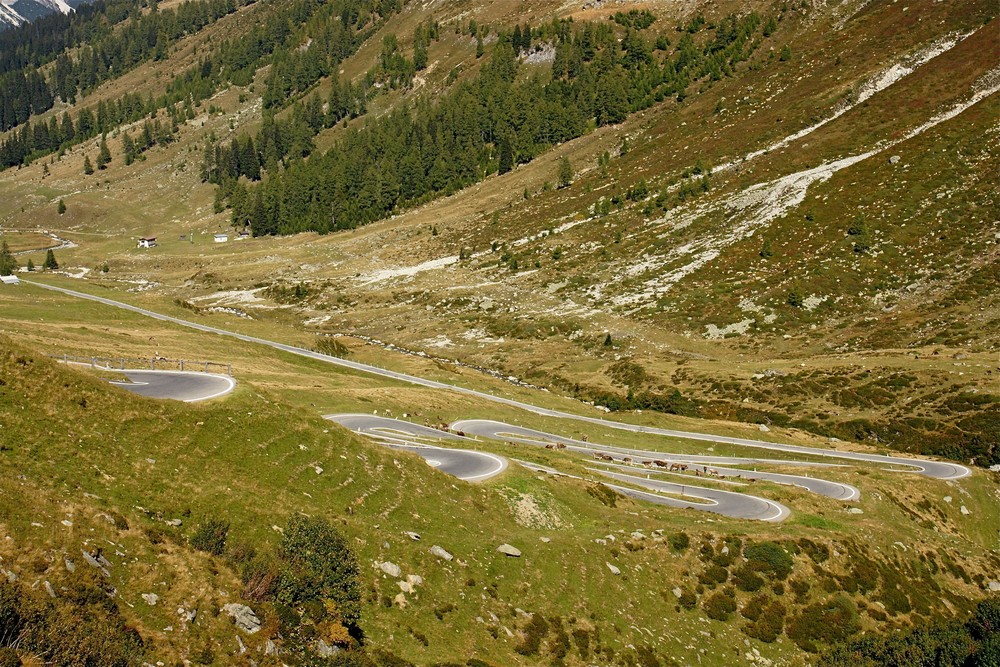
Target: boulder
<point>414,579</point>
<point>413,536</point>
<point>243,616</point>
<point>894,159</point>
<point>508,550</point>
<point>545,540</point>
<point>324,650</point>
<point>993,586</point>
<point>677,592</point>
<point>390,568</point>
<point>270,648</point>
<point>614,570</point>
<point>405,586</point>
<point>151,598</point>
<point>441,553</point>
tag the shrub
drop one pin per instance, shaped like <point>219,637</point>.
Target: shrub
<point>768,625</point>
<point>534,633</point>
<point>714,574</point>
<point>679,541</point>
<point>687,600</point>
<point>719,606</point>
<point>747,580</point>
<point>830,621</point>
<point>317,564</point>
<point>770,558</point>
<point>211,536</point>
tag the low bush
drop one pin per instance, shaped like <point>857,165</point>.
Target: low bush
<point>719,605</point>
<point>210,536</point>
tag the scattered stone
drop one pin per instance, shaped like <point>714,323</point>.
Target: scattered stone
<point>441,553</point>
<point>270,648</point>
<point>48,589</point>
<point>244,617</point>
<point>151,598</point>
<point>855,510</point>
<point>70,565</point>
<point>546,540</point>
<point>763,428</point>
<point>614,570</point>
<point>67,523</point>
<point>239,642</point>
<point>324,650</point>
<point>677,592</point>
<point>415,579</point>
<point>413,536</point>
<point>601,540</point>
<point>176,523</point>
<point>11,576</point>
<point>637,535</point>
<point>947,499</point>
<point>993,586</point>
<point>97,562</point>
<point>405,586</point>
<point>894,159</point>
<point>390,568</point>
<point>508,550</point>
<point>319,471</point>
<point>964,510</point>
<point>725,549</point>
<point>187,616</point>
<point>400,600</point>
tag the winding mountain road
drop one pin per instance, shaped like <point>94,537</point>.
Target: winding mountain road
<point>465,464</point>
<point>500,431</point>
<point>935,469</point>
<point>178,385</point>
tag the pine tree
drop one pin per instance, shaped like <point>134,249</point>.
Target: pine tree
<point>103,153</point>
<point>8,265</point>
<point>31,265</point>
<point>61,208</point>
<point>565,172</point>
<point>50,261</point>
<point>88,168</point>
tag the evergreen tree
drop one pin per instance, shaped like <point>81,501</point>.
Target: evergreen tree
<point>103,153</point>
<point>129,150</point>
<point>565,172</point>
<point>88,168</point>
<point>31,265</point>
<point>50,261</point>
<point>506,157</point>
<point>61,208</point>
<point>8,265</point>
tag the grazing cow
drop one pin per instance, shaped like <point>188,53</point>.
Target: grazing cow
<point>549,446</point>
<point>661,464</point>
<point>627,460</point>
<point>560,445</point>
<point>647,463</point>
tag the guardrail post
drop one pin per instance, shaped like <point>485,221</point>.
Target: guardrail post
<point>229,369</point>
<point>152,364</point>
<point>206,366</point>
<point>123,364</point>
<point>182,365</point>
<point>93,362</point>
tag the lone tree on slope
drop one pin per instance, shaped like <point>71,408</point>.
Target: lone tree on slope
<point>50,261</point>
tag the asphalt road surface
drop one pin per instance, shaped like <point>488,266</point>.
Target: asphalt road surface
<point>465,464</point>
<point>929,468</point>
<point>501,431</point>
<point>178,385</point>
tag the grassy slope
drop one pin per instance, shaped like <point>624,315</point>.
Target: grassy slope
<point>71,435</point>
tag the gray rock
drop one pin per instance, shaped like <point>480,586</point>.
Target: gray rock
<point>677,592</point>
<point>48,589</point>
<point>614,570</point>
<point>855,510</point>
<point>947,499</point>
<point>993,585</point>
<point>894,159</point>
<point>508,550</point>
<point>151,598</point>
<point>242,646</point>
<point>100,562</point>
<point>270,648</point>
<point>414,579</point>
<point>441,553</point>
<point>405,586</point>
<point>413,536</point>
<point>186,615</point>
<point>324,650</point>
<point>546,540</point>
<point>964,510</point>
<point>11,576</point>
<point>243,616</point>
<point>176,523</point>
<point>390,568</point>
<point>763,428</point>
<point>70,565</point>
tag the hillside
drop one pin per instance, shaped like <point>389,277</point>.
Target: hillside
<point>760,220</point>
